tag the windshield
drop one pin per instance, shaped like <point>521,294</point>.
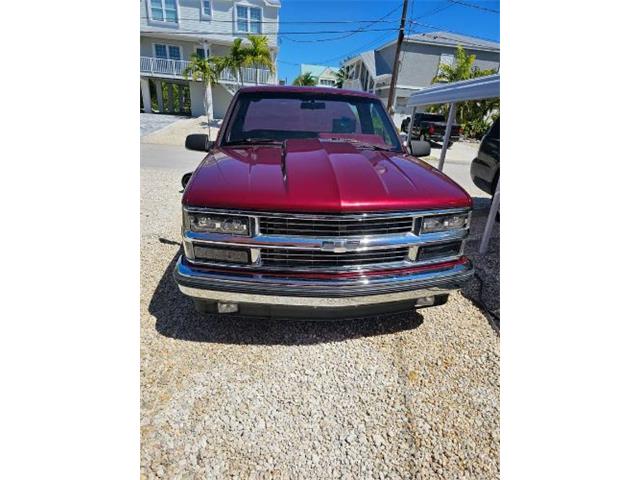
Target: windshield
<point>273,116</point>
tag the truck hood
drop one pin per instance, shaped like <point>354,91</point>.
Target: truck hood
<point>319,176</point>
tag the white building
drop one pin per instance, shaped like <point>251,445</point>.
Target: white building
<point>172,30</point>
<point>323,75</point>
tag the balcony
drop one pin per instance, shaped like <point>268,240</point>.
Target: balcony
<point>167,68</point>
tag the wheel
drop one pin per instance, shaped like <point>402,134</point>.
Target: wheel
<point>202,306</point>
<point>450,144</point>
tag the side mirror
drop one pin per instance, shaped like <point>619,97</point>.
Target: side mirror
<point>197,141</point>
<point>185,179</point>
<point>418,148</point>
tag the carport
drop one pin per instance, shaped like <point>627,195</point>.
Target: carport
<point>452,93</point>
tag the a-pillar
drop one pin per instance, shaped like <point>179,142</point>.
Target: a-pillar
<point>146,95</point>
<point>158,85</point>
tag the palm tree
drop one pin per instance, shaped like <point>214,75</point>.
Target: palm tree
<point>470,114</point>
<point>205,70</point>
<point>461,69</point>
<point>257,54</point>
<point>235,60</point>
<point>305,80</point>
<point>341,76</point>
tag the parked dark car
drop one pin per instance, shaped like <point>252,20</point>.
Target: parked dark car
<point>485,168</point>
<point>431,127</point>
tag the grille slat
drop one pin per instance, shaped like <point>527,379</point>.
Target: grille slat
<point>336,226</point>
<point>295,258</point>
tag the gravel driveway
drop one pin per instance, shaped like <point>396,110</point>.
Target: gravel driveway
<point>409,396</point>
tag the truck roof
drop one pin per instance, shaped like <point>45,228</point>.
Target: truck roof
<point>296,89</point>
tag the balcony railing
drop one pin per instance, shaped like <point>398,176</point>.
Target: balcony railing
<point>163,67</point>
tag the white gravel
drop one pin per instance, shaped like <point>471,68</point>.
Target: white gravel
<point>410,396</point>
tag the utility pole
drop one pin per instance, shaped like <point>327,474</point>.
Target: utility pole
<point>396,66</point>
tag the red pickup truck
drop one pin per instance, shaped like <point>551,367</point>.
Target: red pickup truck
<point>307,204</point>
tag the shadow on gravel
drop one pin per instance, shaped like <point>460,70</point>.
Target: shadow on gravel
<point>177,318</point>
<point>484,289</point>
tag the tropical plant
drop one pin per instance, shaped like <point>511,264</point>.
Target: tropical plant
<point>341,76</point>
<point>235,60</point>
<point>257,54</point>
<point>206,70</point>
<point>305,80</point>
<point>473,115</point>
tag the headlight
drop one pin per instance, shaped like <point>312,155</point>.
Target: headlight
<point>212,223</point>
<point>444,222</point>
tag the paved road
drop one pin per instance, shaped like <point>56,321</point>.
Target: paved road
<point>150,122</point>
<point>457,165</point>
<point>168,156</point>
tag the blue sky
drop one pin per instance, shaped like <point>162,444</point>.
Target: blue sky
<point>438,13</point>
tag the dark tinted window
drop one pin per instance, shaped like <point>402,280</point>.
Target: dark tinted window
<point>494,132</point>
<point>289,115</point>
<point>429,117</point>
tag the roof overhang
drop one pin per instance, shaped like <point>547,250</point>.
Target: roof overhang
<point>466,46</point>
<point>474,89</point>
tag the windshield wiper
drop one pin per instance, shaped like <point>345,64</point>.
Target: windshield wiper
<point>358,143</point>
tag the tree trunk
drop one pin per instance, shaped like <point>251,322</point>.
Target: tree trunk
<point>208,105</point>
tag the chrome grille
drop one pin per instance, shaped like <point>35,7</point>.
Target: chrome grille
<point>292,258</point>
<point>336,226</point>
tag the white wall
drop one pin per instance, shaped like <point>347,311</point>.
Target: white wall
<point>221,99</point>
<point>223,15</point>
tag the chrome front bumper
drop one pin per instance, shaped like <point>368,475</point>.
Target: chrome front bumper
<point>261,288</point>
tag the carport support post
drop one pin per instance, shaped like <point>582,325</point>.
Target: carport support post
<point>491,219</point>
<point>410,128</point>
<point>447,134</point>
<point>158,84</point>
<point>146,95</point>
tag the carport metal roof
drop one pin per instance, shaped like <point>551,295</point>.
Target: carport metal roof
<point>475,89</point>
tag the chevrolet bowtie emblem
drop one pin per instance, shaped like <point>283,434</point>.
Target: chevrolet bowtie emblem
<point>340,246</point>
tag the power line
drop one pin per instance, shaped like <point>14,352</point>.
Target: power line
<point>344,55</point>
<point>472,5</point>
<point>297,22</point>
<point>235,34</point>
<point>436,10</point>
<point>360,30</point>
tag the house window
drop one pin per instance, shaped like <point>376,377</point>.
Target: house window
<point>206,8</point>
<point>248,19</point>
<point>201,53</point>
<point>329,83</point>
<point>164,11</point>
<point>166,51</point>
